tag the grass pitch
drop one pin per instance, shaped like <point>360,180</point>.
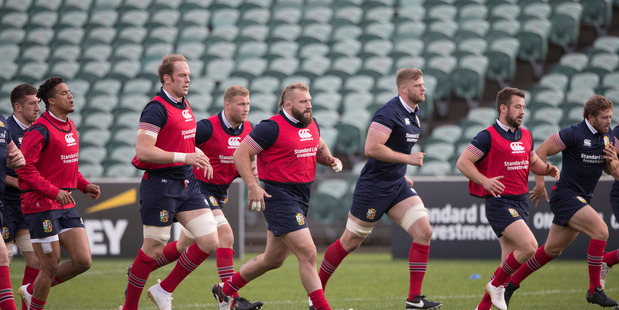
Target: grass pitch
<point>363,281</point>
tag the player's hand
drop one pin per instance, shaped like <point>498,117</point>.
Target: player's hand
<point>256,196</point>
<point>336,164</point>
<point>552,171</point>
<point>200,160</point>
<point>536,195</point>
<point>610,154</point>
<point>494,186</point>
<point>409,181</point>
<point>417,159</point>
<point>94,191</point>
<point>16,158</point>
<point>64,197</point>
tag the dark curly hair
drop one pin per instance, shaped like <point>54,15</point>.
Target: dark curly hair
<point>48,89</point>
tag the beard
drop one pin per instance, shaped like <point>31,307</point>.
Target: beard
<point>300,115</point>
<point>416,99</point>
<point>513,122</point>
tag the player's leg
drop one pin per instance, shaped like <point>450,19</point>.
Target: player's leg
<point>6,291</point>
<point>48,252</point>
<point>155,238</point>
<point>174,249</point>
<point>273,257</point>
<point>75,242</point>
<point>225,251</point>
<point>300,242</point>
<point>588,221</point>
<point>611,258</point>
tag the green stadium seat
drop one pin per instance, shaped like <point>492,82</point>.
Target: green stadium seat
<point>482,115</point>
<point>578,61</point>
<point>410,62</point>
<point>442,12</point>
<point>611,80</point>
<point>257,116</point>
<point>286,15</point>
<point>585,80</point>
<point>90,170</point>
<point>200,102</point>
<point>377,31</point>
<point>578,95</point>
<point>314,50</point>
<point>344,67</point>
<point>282,67</point>
<point>325,204</point>
<point>473,11</point>
<point>138,86</point>
<point>327,119</point>
<point>352,15</point>
<point>254,33</point>
<point>107,18</point>
<point>377,47</point>
<point>549,115</point>
<point>505,11</point>
<point>598,13</point>
<point>9,52</point>
<point>503,28</point>
<point>80,5</point>
<point>346,32</point>
<point>468,79</point>
<point>327,83</point>
<point>99,120</point>
<point>315,33</point>
<point>501,55</point>
<point>357,83</point>
<point>91,154</point>
<point>251,49</point>
<point>435,168</point>
<point>352,131</point>
<point>330,101</point>
<point>264,102</point>
<point>117,170</point>
<point>565,28</point>
<point>607,43</point>
<point>533,39</point>
<point>556,81</point>
<point>255,16</point>
<point>161,34</point>
<point>99,102</point>
<point>45,19</point>
<point>12,35</point>
<point>249,68</point>
<point>224,17</point>
<point>440,48</point>
<point>94,137</point>
<point>407,47</point>
<point>132,102</point>
<point>542,131</point>
<point>438,150</point>
<point>377,66</point>
<point>441,68</point>
<point>233,80</point>
<point>32,72</point>
<point>440,30</point>
<point>472,46</point>
<point>328,134</point>
<point>123,140</point>
<point>539,10</point>
<point>14,20</point>
<point>284,32</point>
<point>317,14</point>
<point>379,14</point>
<point>128,120</point>
<point>194,18</point>
<point>606,62</point>
<point>65,69</point>
<point>356,100</point>
<point>267,84</point>
<point>410,30</point>
<point>449,133</point>
<point>550,97</point>
<point>345,48</point>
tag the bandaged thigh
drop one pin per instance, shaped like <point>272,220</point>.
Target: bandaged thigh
<point>357,229</point>
<point>202,225</point>
<point>412,215</point>
<point>157,233</point>
<point>23,243</point>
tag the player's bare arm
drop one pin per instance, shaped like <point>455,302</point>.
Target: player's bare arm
<point>375,147</point>
<point>15,156</point>
<point>146,151</point>
<point>324,157</point>
<point>242,160</point>
<point>466,165</point>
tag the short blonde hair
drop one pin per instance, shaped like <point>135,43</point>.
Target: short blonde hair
<point>287,93</point>
<point>235,90</point>
<point>407,74</point>
<point>167,65</point>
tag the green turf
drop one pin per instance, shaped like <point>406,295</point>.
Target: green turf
<point>363,281</point>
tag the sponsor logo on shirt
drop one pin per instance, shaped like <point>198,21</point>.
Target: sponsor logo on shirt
<point>583,200</point>
<point>71,158</point>
<point>213,201</point>
<point>5,232</point>
<point>306,152</point>
<point>305,135</point>
<point>189,134</point>
<point>412,137</point>
<point>3,137</point>
<point>516,165</point>
<point>407,121</point>
<point>587,142</point>
<point>234,142</point>
<point>517,147</point>
<point>70,139</point>
<point>187,116</point>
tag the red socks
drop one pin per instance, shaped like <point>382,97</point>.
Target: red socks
<point>509,266</point>
<point>191,258</point>
<point>233,285</point>
<point>334,255</point>
<point>611,258</point>
<point>140,270</point>
<point>533,264</point>
<point>225,264</point>
<point>417,265</point>
<point>6,292</point>
<point>595,255</point>
<point>170,254</point>
<point>318,300</point>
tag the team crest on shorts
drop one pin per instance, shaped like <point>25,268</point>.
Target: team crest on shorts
<point>164,216</point>
<point>583,200</point>
<point>371,214</point>
<point>300,219</point>
<point>5,232</point>
<point>213,201</point>
<point>47,226</point>
<point>513,212</point>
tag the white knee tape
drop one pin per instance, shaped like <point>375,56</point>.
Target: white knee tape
<point>412,215</point>
<point>221,220</point>
<point>202,225</point>
<point>157,233</point>
<point>357,229</point>
<point>188,233</point>
<point>24,244</point>
<point>9,249</point>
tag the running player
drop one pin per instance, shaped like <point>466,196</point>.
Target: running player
<point>51,149</point>
<point>383,187</point>
<point>14,230</point>
<point>166,149</point>
<point>288,146</point>
<point>587,150</point>
<point>497,163</point>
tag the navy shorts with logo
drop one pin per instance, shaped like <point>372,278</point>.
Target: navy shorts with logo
<point>564,204</point>
<point>501,212</point>
<point>213,202</point>
<point>284,213</point>
<point>161,198</point>
<point>50,223</point>
<point>12,221</point>
<point>370,205</point>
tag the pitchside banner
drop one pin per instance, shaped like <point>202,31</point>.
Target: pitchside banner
<point>460,227</point>
<point>461,230</point>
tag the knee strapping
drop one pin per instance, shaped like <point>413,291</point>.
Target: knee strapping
<point>157,233</point>
<point>221,220</point>
<point>24,244</point>
<point>202,225</point>
<point>412,215</point>
<point>361,231</point>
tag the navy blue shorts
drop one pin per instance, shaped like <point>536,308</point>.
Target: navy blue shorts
<point>370,206</point>
<point>161,198</point>
<point>614,203</point>
<point>564,204</point>
<point>12,221</point>
<point>213,202</point>
<point>50,223</point>
<point>283,213</point>
<point>501,212</point>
